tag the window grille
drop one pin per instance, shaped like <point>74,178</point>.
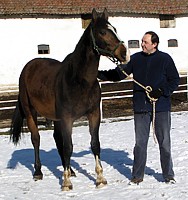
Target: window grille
<point>43,49</point>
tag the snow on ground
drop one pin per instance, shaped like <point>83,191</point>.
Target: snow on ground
<point>117,142</point>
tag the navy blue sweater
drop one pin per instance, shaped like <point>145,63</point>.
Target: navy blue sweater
<point>156,70</point>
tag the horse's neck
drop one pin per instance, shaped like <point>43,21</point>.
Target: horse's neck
<point>90,67</point>
<point>88,61</point>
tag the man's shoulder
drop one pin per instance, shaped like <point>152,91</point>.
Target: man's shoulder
<point>166,57</point>
<point>137,54</point>
<point>162,53</point>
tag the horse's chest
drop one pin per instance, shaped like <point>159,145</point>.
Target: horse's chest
<point>78,99</point>
<point>85,99</point>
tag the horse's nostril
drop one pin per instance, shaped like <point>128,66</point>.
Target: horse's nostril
<point>123,55</point>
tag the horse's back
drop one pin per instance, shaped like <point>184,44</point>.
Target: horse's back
<point>42,66</point>
<point>40,72</point>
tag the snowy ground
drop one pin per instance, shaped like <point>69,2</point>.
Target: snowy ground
<point>117,142</point>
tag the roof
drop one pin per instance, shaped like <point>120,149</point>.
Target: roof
<point>75,7</point>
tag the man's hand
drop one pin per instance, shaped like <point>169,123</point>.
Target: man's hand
<point>110,75</point>
<point>156,93</point>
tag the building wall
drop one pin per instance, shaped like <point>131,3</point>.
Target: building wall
<point>19,39</point>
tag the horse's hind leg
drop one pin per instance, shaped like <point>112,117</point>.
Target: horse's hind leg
<point>35,138</point>
<point>94,123</point>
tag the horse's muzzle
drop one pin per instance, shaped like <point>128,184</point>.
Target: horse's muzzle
<point>124,55</point>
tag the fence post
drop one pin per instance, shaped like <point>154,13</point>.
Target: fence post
<point>187,85</point>
<point>101,103</point>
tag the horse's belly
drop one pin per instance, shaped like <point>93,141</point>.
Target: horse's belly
<point>44,108</point>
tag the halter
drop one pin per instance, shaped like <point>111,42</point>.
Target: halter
<point>100,50</point>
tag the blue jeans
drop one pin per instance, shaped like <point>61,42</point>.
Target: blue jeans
<point>142,122</point>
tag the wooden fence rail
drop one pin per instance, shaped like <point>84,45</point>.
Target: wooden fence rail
<point>110,91</point>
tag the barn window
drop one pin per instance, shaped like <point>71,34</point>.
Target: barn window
<point>43,49</point>
<point>133,44</point>
<point>86,19</point>
<point>172,43</point>
<point>167,21</point>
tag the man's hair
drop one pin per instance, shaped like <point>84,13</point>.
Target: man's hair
<point>154,37</point>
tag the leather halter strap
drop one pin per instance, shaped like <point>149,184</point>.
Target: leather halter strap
<point>100,50</point>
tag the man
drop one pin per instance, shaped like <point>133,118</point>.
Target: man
<point>156,69</point>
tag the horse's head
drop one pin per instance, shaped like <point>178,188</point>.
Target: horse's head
<point>105,39</point>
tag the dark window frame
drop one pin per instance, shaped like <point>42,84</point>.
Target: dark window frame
<point>86,19</point>
<point>133,44</point>
<point>172,43</point>
<point>43,49</point>
<point>167,21</point>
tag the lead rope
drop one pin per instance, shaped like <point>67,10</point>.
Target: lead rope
<point>148,89</point>
<point>153,102</point>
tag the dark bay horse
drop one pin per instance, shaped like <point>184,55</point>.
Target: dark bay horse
<point>65,91</point>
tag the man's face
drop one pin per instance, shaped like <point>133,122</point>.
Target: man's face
<point>147,45</point>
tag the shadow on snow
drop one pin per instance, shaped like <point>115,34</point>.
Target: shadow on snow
<point>118,159</point>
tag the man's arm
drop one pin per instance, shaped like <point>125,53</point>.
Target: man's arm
<point>173,79</point>
<point>110,75</point>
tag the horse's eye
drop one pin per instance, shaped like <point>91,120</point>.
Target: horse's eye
<point>102,32</point>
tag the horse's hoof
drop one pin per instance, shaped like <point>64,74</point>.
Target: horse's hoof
<point>67,188</point>
<point>38,176</point>
<point>101,184</point>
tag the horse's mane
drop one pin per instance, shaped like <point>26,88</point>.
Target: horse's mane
<point>81,50</point>
<point>84,40</point>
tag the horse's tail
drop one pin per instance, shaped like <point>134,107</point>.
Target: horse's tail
<point>17,123</point>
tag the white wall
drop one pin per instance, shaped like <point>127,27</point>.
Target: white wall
<point>19,39</point>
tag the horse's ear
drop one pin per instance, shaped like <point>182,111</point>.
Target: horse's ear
<point>94,14</point>
<point>105,14</point>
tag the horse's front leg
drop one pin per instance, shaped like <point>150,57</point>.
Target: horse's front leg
<point>100,181</point>
<point>94,123</point>
<point>58,137</point>
<point>67,148</point>
<point>67,185</point>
